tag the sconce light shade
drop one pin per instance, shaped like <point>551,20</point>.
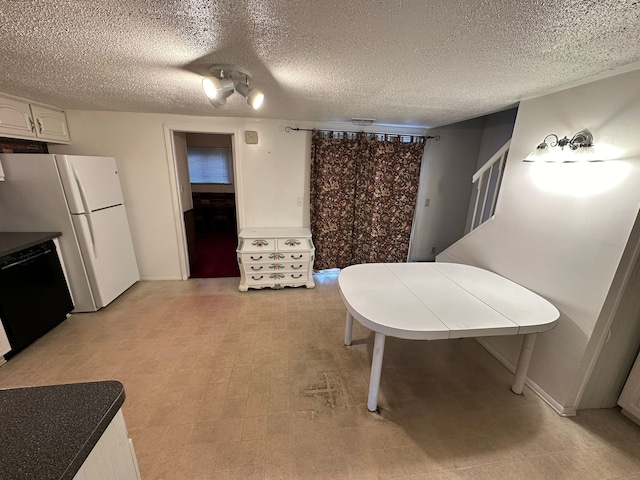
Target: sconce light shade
<point>226,79</point>
<point>578,148</point>
<point>586,154</point>
<point>540,154</point>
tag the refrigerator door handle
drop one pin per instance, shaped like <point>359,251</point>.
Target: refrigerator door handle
<point>92,235</point>
<point>83,194</point>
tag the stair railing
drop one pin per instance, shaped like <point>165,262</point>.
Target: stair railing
<point>488,179</point>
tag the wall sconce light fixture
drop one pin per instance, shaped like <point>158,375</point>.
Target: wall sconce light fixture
<point>578,148</point>
<point>226,79</point>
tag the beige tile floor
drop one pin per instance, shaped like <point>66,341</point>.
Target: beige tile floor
<point>258,385</point>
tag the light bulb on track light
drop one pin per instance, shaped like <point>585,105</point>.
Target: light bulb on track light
<point>224,80</point>
<point>254,96</point>
<point>215,88</point>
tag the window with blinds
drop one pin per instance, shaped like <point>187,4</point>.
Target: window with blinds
<point>210,165</point>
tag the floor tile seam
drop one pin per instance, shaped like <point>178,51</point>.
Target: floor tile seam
<point>603,445</point>
<point>576,450</point>
<point>499,462</point>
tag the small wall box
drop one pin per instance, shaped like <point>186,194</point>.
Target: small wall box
<point>251,137</point>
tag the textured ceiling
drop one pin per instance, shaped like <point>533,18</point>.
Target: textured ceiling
<point>418,63</point>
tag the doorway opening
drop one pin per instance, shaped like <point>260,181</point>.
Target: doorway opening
<point>209,205</point>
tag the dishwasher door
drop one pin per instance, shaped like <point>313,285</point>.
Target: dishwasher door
<point>34,296</point>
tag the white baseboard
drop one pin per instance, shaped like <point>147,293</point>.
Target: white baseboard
<point>548,399</point>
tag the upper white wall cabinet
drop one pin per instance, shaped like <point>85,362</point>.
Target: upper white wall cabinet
<point>20,119</point>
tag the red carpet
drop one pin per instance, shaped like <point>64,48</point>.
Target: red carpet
<point>216,256</point>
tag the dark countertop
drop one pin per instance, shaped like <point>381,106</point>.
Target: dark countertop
<point>48,432</point>
<point>11,242</point>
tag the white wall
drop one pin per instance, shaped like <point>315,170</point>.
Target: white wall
<point>270,176</point>
<point>447,168</point>
<point>273,174</point>
<point>445,180</point>
<point>497,130</point>
<point>560,229</point>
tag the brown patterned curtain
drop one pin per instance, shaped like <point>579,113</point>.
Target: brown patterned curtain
<point>363,196</point>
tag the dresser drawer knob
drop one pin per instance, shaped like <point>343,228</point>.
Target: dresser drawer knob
<point>254,258</point>
<point>256,268</point>
<point>296,257</point>
<point>296,276</point>
<point>257,278</point>
<point>296,268</point>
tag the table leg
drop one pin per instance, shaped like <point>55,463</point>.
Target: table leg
<point>523,362</point>
<point>376,371</point>
<point>348,329</point>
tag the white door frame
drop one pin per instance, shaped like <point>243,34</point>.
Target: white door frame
<point>181,234</point>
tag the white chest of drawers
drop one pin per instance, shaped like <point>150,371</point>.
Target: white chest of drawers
<point>275,258</point>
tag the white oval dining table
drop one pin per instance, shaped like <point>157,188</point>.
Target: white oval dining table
<point>432,301</point>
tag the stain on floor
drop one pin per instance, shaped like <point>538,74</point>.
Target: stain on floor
<point>329,389</point>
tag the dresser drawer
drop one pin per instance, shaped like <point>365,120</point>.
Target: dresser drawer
<point>291,244</point>
<point>296,257</point>
<point>271,278</point>
<point>253,257</point>
<point>263,267</point>
<point>255,267</point>
<point>258,245</point>
<point>276,257</point>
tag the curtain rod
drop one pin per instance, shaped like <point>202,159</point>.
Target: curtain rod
<point>426,137</point>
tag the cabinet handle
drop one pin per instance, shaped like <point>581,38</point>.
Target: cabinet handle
<point>39,125</point>
<point>33,125</point>
<point>296,257</point>
<point>259,278</point>
<point>259,258</point>
<point>296,276</point>
<point>296,268</point>
<point>256,268</point>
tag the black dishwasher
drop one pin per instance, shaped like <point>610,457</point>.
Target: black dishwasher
<point>34,296</point>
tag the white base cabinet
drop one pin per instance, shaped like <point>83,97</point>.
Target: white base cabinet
<point>113,457</point>
<point>275,258</point>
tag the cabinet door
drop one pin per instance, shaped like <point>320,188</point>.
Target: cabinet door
<point>51,124</point>
<point>15,119</point>
<point>113,457</point>
<point>4,342</point>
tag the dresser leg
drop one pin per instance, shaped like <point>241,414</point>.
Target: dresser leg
<point>376,372</point>
<point>523,362</point>
<point>348,330</point>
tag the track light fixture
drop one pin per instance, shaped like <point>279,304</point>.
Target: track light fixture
<point>578,148</point>
<point>224,80</point>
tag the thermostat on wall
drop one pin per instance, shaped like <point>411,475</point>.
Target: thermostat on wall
<point>251,136</point>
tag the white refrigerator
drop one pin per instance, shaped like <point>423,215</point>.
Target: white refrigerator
<point>81,197</point>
